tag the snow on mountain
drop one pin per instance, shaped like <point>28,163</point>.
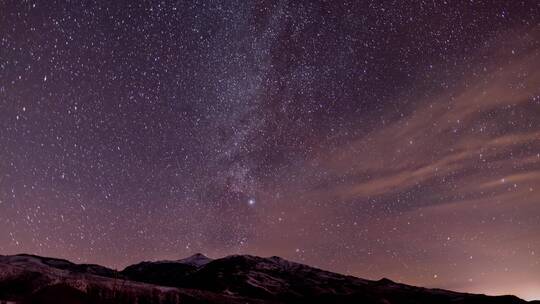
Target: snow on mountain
<point>198,279</point>
<point>196,260</point>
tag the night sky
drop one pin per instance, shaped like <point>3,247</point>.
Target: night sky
<point>379,139</point>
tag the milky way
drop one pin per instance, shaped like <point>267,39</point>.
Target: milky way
<point>396,140</point>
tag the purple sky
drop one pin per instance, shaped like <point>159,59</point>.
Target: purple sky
<point>397,140</point>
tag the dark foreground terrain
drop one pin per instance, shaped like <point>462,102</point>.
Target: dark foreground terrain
<point>198,279</point>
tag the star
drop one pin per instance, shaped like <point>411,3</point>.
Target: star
<point>411,121</point>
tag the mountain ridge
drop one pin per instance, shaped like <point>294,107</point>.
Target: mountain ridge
<point>26,278</point>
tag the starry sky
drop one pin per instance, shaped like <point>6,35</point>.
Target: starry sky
<point>374,138</point>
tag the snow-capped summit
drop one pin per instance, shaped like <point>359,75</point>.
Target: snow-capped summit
<point>196,260</point>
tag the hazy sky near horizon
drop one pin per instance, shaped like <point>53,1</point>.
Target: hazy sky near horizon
<point>378,139</point>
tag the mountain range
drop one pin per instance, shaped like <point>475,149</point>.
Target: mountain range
<point>235,279</point>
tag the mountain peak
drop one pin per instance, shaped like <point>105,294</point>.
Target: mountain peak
<point>198,255</point>
<point>197,260</point>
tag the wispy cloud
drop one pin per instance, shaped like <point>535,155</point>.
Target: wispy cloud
<point>464,129</point>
